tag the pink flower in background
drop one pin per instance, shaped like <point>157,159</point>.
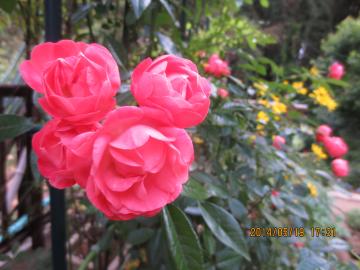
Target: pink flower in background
<point>322,132</point>
<point>336,71</point>
<point>216,66</point>
<point>275,193</point>
<point>335,146</point>
<point>222,93</point>
<point>64,152</point>
<point>78,80</point>
<point>173,86</point>
<point>340,167</point>
<point>279,142</point>
<point>139,165</point>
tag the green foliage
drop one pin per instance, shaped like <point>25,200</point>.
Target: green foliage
<point>343,45</point>
<point>13,125</point>
<point>353,219</point>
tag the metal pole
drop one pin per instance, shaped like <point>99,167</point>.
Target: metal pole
<point>57,197</point>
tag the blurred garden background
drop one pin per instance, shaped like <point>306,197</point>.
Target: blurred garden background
<point>280,147</point>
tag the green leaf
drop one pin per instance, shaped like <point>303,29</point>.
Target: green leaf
<point>228,259</point>
<point>170,12</point>
<point>8,5</point>
<point>297,210</point>
<point>81,13</point>
<point>195,190</point>
<point>264,3</point>
<point>273,221</point>
<point>167,44</point>
<point>225,227</point>
<point>183,242</point>
<point>13,125</point>
<point>139,6</point>
<point>140,236</point>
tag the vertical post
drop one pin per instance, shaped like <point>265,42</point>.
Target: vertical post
<point>57,197</point>
<point>4,217</point>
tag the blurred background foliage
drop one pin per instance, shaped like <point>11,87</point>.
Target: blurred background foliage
<point>238,180</point>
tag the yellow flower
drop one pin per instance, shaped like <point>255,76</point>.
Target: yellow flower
<point>286,82</point>
<point>261,87</point>
<point>299,86</point>
<point>277,118</point>
<point>278,107</point>
<point>314,71</point>
<point>318,151</point>
<point>312,189</point>
<point>262,117</point>
<point>198,140</point>
<point>322,97</point>
<point>264,102</point>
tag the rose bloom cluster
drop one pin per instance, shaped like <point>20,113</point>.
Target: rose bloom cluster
<point>131,160</point>
<point>336,147</point>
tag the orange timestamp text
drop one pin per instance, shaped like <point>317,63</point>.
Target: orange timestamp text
<point>291,231</point>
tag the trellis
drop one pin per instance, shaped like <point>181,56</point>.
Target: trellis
<point>30,203</point>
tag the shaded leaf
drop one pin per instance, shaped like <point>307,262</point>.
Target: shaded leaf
<point>225,227</point>
<point>167,44</point>
<point>140,236</point>
<point>195,190</point>
<point>13,125</point>
<point>183,242</point>
<point>139,6</point>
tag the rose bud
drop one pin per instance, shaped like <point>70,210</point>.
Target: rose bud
<point>322,132</point>
<point>335,146</point>
<point>223,93</point>
<point>336,71</point>
<point>340,167</point>
<point>279,142</point>
<point>216,66</point>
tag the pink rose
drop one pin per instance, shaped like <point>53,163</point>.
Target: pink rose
<point>78,80</point>
<point>222,93</point>
<point>139,165</point>
<point>279,142</point>
<point>322,132</point>
<point>217,66</point>
<point>340,167</point>
<point>336,71</point>
<point>335,146</point>
<point>173,85</point>
<point>64,152</point>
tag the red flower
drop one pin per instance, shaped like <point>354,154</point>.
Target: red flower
<point>340,167</point>
<point>217,67</point>
<point>78,80</point>
<point>64,152</point>
<point>322,132</point>
<point>335,146</point>
<point>279,142</point>
<point>222,93</point>
<point>336,71</point>
<point>139,165</point>
<point>173,86</point>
